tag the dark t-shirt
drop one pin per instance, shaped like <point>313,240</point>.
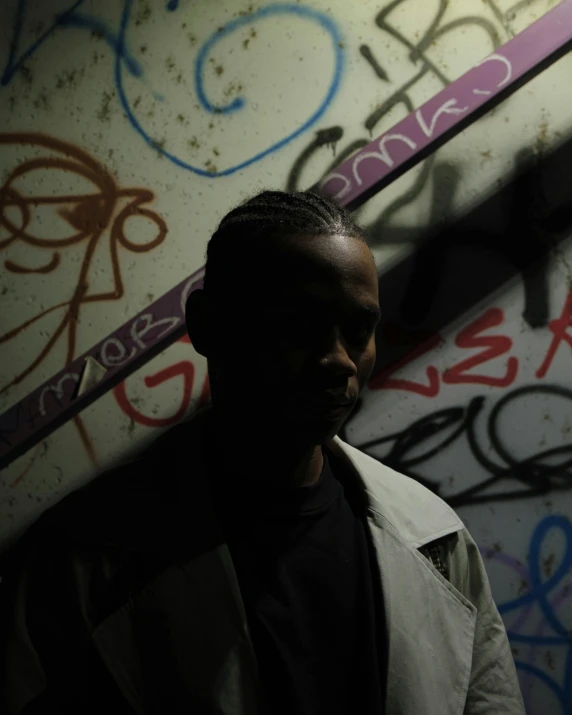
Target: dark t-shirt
<point>311,594</point>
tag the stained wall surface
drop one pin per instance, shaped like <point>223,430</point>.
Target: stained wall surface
<point>128,129</point>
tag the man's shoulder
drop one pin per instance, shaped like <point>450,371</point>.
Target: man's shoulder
<point>76,527</point>
<point>133,518</point>
<point>128,504</point>
<point>417,513</point>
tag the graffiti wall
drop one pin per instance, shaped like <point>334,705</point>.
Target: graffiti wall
<point>127,129</point>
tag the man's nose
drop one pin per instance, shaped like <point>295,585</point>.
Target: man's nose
<point>336,356</point>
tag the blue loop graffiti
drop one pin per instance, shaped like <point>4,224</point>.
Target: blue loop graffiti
<point>96,25</point>
<point>297,10</point>
<point>67,18</point>
<point>117,41</point>
<point>538,594</point>
<point>13,64</point>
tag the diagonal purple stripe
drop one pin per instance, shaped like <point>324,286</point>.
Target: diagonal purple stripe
<point>129,347</point>
<point>450,111</point>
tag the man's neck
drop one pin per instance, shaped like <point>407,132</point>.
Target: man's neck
<point>266,459</point>
<point>308,468</point>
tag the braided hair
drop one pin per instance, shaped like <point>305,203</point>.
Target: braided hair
<point>245,236</point>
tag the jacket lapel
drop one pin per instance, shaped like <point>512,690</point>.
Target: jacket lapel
<point>429,624</point>
<point>181,645</point>
<point>430,630</point>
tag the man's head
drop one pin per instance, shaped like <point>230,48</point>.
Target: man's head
<point>287,315</point>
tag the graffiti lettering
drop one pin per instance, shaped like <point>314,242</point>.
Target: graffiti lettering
<point>68,18</point>
<point>416,51</point>
<point>23,414</point>
<point>117,41</point>
<point>548,599</point>
<point>137,333</point>
<point>87,215</point>
<point>539,473</point>
<point>111,345</point>
<point>559,328</point>
<point>79,219</point>
<point>119,353</point>
<point>321,19</point>
<point>382,155</point>
<point>444,178</point>
<point>496,57</point>
<point>408,131</point>
<point>495,346</point>
<point>447,108</point>
<point>56,390</point>
<point>184,369</point>
<point>469,337</point>
<point>383,381</point>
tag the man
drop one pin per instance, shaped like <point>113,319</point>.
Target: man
<point>250,561</point>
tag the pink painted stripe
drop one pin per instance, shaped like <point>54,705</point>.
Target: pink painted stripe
<point>450,111</point>
<point>129,347</point>
<point>383,160</point>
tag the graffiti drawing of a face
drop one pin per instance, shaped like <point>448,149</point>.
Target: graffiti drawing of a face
<point>63,223</point>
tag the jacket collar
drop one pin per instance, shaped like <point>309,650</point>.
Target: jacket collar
<point>397,501</point>
<point>392,499</point>
<point>429,625</point>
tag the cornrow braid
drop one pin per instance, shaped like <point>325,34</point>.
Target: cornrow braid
<point>247,232</point>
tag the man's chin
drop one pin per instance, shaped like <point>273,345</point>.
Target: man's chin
<point>301,425</point>
<point>318,428</point>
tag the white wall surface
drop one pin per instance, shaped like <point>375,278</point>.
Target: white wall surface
<point>184,109</point>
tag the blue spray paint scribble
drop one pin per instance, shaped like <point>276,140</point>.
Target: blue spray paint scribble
<point>92,23</point>
<point>279,9</point>
<point>538,594</point>
<point>68,18</point>
<point>117,42</point>
<point>13,64</point>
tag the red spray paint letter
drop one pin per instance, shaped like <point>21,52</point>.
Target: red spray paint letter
<point>495,346</point>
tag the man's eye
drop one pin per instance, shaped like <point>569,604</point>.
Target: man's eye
<point>359,334</point>
<point>297,325</point>
<point>306,318</point>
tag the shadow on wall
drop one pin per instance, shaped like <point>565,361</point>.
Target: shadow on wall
<point>508,235</point>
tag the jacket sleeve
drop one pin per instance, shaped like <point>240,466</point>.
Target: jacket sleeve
<point>493,685</point>
<point>47,661</point>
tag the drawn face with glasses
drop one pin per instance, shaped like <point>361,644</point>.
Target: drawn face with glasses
<point>63,223</point>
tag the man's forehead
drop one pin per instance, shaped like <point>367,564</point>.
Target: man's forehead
<point>323,248</point>
<point>320,258</point>
<point>315,287</point>
<point>312,268</point>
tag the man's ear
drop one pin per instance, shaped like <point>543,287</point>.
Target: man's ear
<point>199,321</point>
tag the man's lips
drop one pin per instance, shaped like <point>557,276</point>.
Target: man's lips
<point>327,401</point>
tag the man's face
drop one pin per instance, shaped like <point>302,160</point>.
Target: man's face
<point>302,348</point>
